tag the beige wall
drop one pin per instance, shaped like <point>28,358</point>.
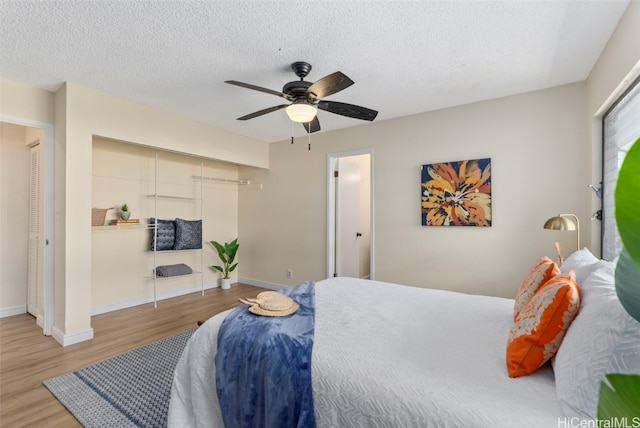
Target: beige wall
<point>540,168</point>
<point>25,102</point>
<point>617,67</point>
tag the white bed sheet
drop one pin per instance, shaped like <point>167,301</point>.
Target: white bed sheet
<point>387,355</point>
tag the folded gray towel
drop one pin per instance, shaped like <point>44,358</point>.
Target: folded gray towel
<point>173,270</point>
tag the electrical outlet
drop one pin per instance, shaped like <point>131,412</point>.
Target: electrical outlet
<point>289,273</point>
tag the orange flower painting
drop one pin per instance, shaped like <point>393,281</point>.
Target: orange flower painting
<point>457,193</point>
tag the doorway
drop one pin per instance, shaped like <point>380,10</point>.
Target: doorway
<point>41,303</point>
<point>350,228</point>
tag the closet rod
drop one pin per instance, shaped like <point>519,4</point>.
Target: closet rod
<point>223,180</point>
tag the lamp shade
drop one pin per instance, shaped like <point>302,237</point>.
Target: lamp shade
<point>559,223</point>
<point>565,222</point>
<point>301,111</point>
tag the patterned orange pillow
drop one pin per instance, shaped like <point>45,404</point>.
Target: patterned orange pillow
<point>541,272</point>
<point>540,326</point>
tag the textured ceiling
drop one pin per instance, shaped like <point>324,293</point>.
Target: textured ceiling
<point>405,57</point>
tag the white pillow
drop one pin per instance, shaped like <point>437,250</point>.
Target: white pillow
<point>602,339</point>
<point>582,263</point>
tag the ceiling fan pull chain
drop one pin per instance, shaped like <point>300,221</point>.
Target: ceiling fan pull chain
<point>309,134</point>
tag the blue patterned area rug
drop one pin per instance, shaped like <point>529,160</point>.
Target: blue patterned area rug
<point>129,390</point>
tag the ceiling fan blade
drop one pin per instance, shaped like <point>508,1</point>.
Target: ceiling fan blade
<point>329,85</point>
<point>348,110</point>
<point>313,126</point>
<point>258,88</point>
<point>264,111</point>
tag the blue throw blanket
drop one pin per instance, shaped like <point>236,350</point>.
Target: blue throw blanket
<point>263,366</point>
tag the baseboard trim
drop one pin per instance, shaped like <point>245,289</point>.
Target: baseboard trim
<point>71,339</point>
<point>149,299</point>
<point>16,310</point>
<point>263,284</point>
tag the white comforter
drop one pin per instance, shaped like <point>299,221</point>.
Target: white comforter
<point>387,355</point>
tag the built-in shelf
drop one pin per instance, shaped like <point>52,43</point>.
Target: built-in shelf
<point>185,198</point>
<point>222,180</point>
<point>119,226</point>
<point>156,197</point>
<point>166,278</point>
<point>174,251</point>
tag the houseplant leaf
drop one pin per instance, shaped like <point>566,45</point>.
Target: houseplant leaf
<point>221,251</point>
<point>628,284</point>
<point>618,399</point>
<point>627,209</point>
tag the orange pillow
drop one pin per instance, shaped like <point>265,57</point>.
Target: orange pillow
<point>542,271</point>
<point>540,326</point>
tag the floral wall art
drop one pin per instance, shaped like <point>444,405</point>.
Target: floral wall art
<point>457,193</point>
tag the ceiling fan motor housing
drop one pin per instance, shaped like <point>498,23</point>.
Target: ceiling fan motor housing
<point>301,69</point>
<point>297,89</point>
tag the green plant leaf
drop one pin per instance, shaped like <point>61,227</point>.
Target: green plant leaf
<point>628,284</point>
<point>218,268</point>
<point>626,199</point>
<point>620,400</point>
<point>221,251</point>
<point>231,269</point>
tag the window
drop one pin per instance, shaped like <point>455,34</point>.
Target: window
<point>621,127</point>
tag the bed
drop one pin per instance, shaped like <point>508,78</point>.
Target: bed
<point>388,355</point>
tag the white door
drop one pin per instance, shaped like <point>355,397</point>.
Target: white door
<point>350,231</point>
<point>347,217</point>
<point>35,242</point>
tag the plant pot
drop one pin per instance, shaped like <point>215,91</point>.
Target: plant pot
<point>125,215</point>
<point>225,283</point>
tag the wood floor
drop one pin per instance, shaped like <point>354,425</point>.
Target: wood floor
<point>27,357</point>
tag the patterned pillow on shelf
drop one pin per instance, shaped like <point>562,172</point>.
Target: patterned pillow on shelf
<point>541,325</point>
<point>166,233</point>
<point>541,272</point>
<point>188,234</point>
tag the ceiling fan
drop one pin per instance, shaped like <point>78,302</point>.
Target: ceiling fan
<point>306,97</point>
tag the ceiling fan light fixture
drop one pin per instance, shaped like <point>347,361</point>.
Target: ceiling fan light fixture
<point>301,111</point>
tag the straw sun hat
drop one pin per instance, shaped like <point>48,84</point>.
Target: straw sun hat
<point>271,304</point>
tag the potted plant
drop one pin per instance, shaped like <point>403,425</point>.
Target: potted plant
<point>227,253</point>
<point>124,212</point>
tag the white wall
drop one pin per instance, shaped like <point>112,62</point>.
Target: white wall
<point>540,168</point>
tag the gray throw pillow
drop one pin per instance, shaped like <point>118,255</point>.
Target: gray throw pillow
<point>166,234</point>
<point>188,234</point>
